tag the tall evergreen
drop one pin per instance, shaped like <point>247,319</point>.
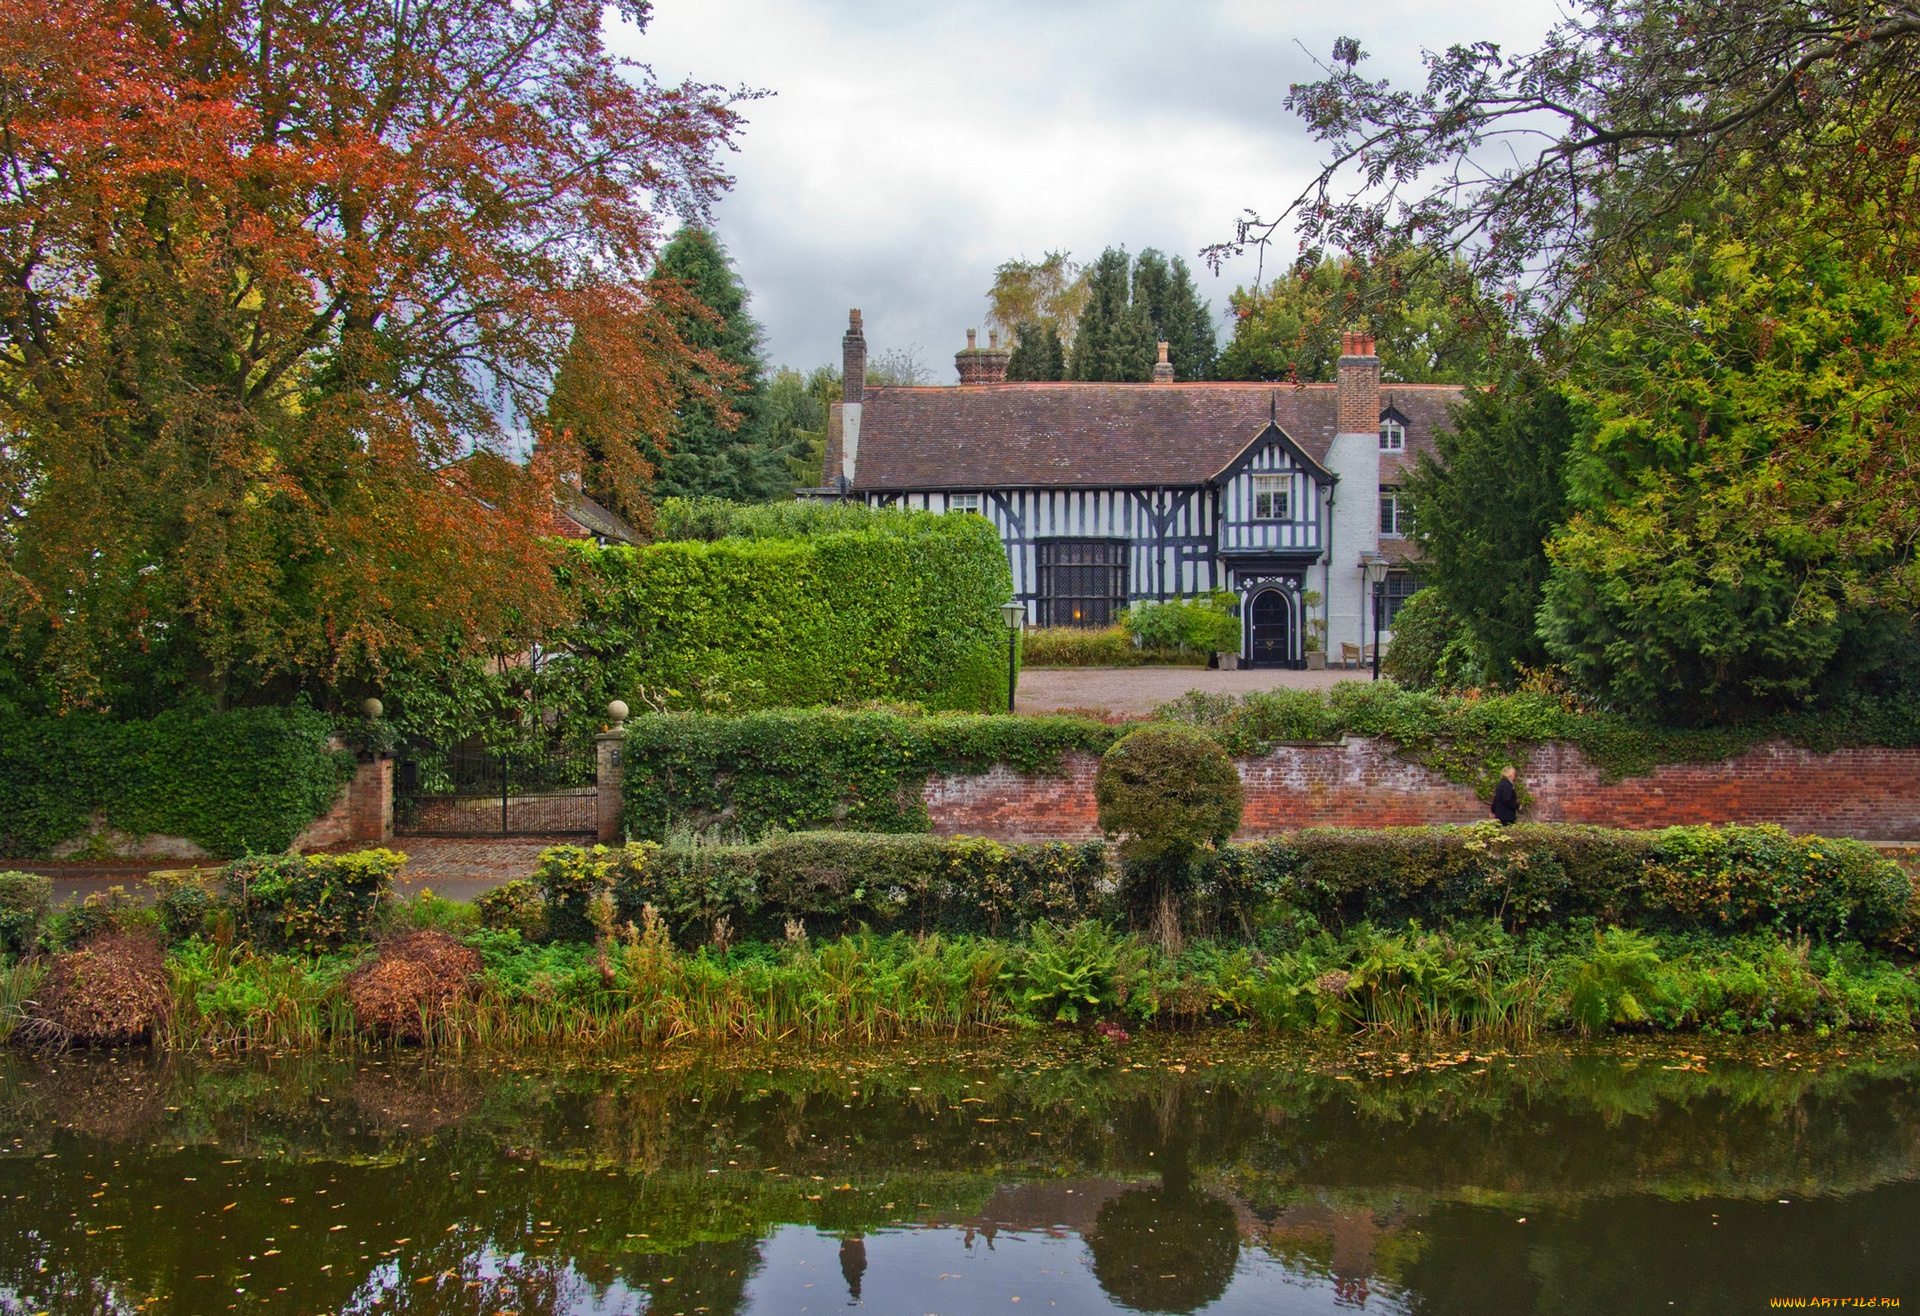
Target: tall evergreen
<point>748,462</point>
<point>1114,342</point>
<point>1037,354</point>
<point>1485,510</point>
<point>1179,318</point>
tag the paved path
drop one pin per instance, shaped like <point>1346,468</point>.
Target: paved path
<point>1140,690</point>
<point>459,868</point>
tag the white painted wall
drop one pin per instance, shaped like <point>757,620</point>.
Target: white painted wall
<point>1355,458</point>
<point>850,438</point>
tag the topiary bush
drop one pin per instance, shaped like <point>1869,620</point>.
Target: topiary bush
<point>1168,792</point>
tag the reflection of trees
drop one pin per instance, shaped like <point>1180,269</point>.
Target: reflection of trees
<point>664,1182</point>
<point>1171,1248</point>
<point>1156,1250</point>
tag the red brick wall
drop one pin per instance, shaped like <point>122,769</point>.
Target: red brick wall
<point>1871,794</point>
<point>362,813</point>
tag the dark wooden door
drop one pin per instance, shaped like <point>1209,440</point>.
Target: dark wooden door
<point>1272,629</point>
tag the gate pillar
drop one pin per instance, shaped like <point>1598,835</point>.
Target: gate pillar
<point>608,769</point>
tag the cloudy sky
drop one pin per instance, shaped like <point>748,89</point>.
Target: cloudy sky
<point>909,148</point>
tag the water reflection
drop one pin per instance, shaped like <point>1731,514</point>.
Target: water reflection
<point>1150,1178</point>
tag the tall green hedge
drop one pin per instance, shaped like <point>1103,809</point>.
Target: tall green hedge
<point>248,779</point>
<point>875,606</point>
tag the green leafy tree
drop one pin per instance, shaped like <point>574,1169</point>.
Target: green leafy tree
<point>1037,354</point>
<point>1114,342</point>
<point>1179,318</point>
<point>1420,308</point>
<point>1050,291</point>
<point>1432,648</point>
<point>797,416</point>
<point>1483,513</point>
<point>1744,498</point>
<point>727,451</point>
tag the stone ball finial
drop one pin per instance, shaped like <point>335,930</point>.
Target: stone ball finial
<point>372,708</point>
<point>617,712</point>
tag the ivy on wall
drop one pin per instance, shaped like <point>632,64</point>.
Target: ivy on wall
<point>247,779</point>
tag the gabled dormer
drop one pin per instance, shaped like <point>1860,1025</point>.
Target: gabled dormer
<point>1270,497</point>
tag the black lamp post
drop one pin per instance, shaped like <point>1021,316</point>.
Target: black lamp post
<point>1014,614</point>
<point>1376,567</point>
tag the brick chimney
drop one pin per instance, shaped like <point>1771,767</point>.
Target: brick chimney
<point>853,360</point>
<point>1358,390</point>
<point>1163,369</point>
<point>981,365</point>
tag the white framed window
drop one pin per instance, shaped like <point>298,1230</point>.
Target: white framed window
<point>963,503</point>
<point>1393,435</point>
<point>1272,495</point>
<point>1396,518</point>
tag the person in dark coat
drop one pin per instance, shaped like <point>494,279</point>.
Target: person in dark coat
<point>1506,800</point>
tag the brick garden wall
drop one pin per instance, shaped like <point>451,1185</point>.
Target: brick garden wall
<point>1869,794</point>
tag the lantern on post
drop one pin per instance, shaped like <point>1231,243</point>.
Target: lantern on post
<point>1015,615</point>
<point>1376,569</point>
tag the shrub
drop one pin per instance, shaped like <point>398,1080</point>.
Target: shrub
<point>1107,646</point>
<point>1203,625</point>
<point>1167,790</point>
<point>309,903</point>
<point>25,899</point>
<point>1431,648</point>
<point>514,906</point>
<point>246,779</point>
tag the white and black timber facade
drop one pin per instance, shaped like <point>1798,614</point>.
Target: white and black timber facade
<point>1108,494</point>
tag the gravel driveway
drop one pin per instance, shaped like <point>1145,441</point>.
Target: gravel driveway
<point>1140,690</point>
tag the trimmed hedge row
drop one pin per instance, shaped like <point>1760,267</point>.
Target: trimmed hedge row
<point>1723,880</point>
<point>800,769</point>
<point>824,883</point>
<point>1720,880</point>
<point>247,779</point>
<point>880,605</point>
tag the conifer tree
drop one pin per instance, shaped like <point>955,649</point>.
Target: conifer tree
<point>743,461</point>
<point>1114,342</point>
<point>1037,354</point>
<point>1179,318</point>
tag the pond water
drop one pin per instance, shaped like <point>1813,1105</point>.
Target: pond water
<point>1067,1175</point>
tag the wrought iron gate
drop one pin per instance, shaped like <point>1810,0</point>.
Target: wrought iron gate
<point>475,793</point>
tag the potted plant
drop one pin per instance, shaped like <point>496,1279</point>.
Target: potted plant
<point>1316,632</point>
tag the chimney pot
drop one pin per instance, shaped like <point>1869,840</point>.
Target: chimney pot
<point>981,365</point>
<point>1357,392</point>
<point>993,340</point>
<point>1163,369</point>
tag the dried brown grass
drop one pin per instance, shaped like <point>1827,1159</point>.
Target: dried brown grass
<point>112,990</point>
<point>413,982</point>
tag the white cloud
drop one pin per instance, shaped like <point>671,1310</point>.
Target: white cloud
<point>911,148</point>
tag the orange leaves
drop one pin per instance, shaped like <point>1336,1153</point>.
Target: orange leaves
<point>277,290</point>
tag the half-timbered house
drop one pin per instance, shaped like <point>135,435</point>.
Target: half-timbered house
<point>1107,494</point>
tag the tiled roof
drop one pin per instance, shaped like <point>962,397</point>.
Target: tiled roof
<point>1052,435</point>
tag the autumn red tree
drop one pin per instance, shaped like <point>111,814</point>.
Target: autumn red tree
<point>280,285</point>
